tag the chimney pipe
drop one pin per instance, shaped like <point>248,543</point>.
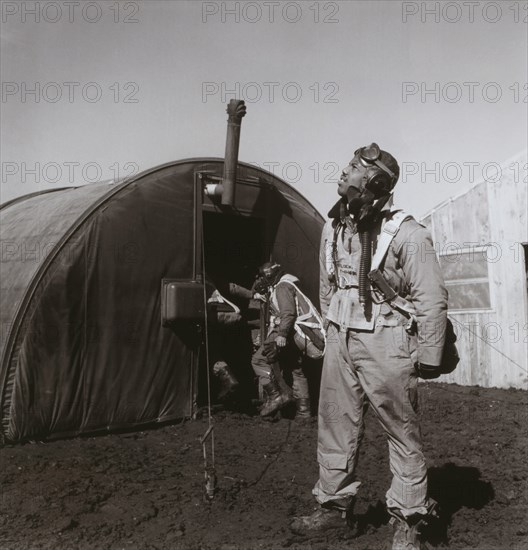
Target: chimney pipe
<point>236,110</point>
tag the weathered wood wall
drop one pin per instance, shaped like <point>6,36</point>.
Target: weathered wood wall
<point>491,220</point>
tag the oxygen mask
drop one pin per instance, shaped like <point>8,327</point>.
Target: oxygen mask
<point>364,206</point>
<point>270,273</point>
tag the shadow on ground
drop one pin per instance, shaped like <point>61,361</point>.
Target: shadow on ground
<point>454,487</point>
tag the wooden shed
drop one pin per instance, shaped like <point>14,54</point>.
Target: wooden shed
<point>481,238</point>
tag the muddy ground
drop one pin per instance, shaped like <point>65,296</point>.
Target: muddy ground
<point>145,489</point>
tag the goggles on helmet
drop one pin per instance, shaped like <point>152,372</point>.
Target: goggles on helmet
<point>371,155</point>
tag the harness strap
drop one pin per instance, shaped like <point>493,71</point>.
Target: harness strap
<point>216,297</point>
<point>301,319</point>
<point>390,228</point>
<point>334,249</point>
<point>340,281</point>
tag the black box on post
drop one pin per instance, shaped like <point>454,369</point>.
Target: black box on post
<point>181,300</point>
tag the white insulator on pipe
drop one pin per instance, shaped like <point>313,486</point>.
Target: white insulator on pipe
<point>213,189</point>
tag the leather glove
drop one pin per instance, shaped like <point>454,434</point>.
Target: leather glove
<point>428,372</point>
<point>271,351</point>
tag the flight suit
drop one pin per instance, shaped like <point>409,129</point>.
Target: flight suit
<point>370,359</point>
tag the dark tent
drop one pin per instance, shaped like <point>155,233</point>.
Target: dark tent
<point>83,347</point>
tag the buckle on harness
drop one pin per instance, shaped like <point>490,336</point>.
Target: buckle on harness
<point>378,280</point>
<point>344,284</point>
<point>393,299</point>
<point>391,228</point>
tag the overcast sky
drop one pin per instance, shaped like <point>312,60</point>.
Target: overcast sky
<point>97,89</point>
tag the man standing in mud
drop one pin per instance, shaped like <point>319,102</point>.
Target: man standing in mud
<point>375,349</point>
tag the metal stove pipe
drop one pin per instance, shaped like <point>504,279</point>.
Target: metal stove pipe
<point>236,110</point>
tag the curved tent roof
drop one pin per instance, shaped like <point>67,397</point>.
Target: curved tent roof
<point>82,347</point>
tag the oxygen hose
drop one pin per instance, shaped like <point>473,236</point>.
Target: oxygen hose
<point>364,267</point>
<point>369,217</point>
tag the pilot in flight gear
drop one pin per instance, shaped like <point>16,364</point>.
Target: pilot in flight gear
<point>371,357</point>
<point>279,352</point>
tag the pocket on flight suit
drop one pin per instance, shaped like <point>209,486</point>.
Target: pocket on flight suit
<point>412,344</point>
<point>332,460</point>
<point>393,323</point>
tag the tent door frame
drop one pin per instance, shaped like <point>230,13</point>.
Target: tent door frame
<point>197,228</point>
<point>197,270</point>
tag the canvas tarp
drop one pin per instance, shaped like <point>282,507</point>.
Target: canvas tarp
<point>86,350</point>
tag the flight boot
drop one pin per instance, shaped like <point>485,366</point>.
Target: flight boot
<point>406,536</point>
<point>408,530</point>
<point>301,394</point>
<point>321,520</point>
<point>227,383</point>
<point>275,398</point>
<point>303,408</point>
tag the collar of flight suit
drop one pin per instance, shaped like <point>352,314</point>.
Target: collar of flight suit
<point>339,211</point>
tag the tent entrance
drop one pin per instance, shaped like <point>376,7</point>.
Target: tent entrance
<point>234,248</point>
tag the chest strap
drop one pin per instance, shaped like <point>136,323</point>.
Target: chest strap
<point>376,277</point>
